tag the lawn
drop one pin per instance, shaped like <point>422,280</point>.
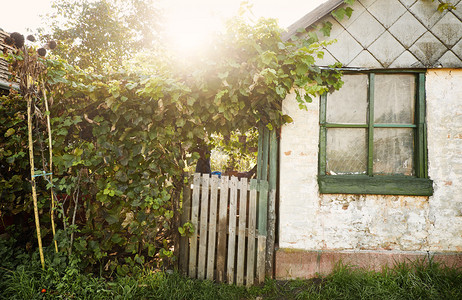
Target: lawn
<point>23,278</point>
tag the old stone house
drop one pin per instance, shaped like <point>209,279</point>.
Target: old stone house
<point>372,173</point>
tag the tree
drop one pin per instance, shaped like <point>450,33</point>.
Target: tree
<point>102,33</point>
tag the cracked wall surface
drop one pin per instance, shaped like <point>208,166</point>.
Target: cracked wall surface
<point>312,221</point>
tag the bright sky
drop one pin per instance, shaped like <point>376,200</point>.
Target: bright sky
<point>188,22</point>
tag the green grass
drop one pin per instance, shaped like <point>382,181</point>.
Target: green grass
<point>405,281</point>
<point>21,277</point>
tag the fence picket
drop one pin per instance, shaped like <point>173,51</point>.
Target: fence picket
<point>250,274</point>
<point>222,228</point>
<point>261,251</point>
<point>232,229</point>
<point>212,226</point>
<point>194,222</point>
<point>263,207</point>
<point>241,232</point>
<point>203,227</point>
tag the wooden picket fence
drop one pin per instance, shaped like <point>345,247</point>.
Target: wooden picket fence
<point>229,217</point>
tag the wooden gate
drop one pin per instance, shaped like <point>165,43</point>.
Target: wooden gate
<point>229,242</point>
<point>234,222</point>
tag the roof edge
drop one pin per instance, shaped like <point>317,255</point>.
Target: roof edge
<point>312,17</point>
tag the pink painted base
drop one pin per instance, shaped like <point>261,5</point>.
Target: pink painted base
<point>292,263</point>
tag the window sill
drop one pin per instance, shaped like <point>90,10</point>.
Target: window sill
<point>381,185</point>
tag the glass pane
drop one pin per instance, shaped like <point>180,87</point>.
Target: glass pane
<point>394,98</point>
<point>346,151</point>
<point>394,151</point>
<point>349,104</point>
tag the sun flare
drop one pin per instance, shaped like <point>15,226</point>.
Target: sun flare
<point>189,28</point>
<point>190,36</point>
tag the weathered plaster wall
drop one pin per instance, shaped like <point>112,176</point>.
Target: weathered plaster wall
<point>310,221</point>
<point>444,118</point>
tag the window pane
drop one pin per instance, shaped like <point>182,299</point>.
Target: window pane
<point>393,151</point>
<point>349,104</point>
<point>394,98</point>
<point>346,151</point>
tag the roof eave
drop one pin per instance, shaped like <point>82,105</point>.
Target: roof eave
<point>312,17</point>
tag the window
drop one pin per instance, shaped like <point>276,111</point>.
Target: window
<point>373,136</point>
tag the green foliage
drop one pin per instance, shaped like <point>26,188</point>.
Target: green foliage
<point>341,12</point>
<point>445,6</point>
<point>14,188</point>
<point>235,152</point>
<point>102,34</point>
<point>121,142</point>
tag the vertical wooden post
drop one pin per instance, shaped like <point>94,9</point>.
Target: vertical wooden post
<point>194,222</point>
<point>203,228</point>
<point>272,180</point>
<point>212,227</point>
<point>232,230</point>
<point>260,149</point>
<point>241,232</point>
<point>265,154</point>
<point>261,245</point>
<point>263,208</point>
<point>222,228</point>
<point>252,229</point>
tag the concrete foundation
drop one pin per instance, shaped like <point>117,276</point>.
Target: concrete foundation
<point>291,264</point>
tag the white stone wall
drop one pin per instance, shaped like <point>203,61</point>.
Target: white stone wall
<point>444,116</point>
<point>310,221</point>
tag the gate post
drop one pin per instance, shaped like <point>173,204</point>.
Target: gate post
<point>267,170</point>
<point>272,181</point>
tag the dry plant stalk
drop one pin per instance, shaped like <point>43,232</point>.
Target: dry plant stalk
<point>32,167</point>
<point>50,147</point>
<point>29,69</point>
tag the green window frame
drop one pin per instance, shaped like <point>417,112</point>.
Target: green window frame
<point>369,183</point>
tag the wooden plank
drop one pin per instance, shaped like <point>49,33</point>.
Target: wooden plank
<point>241,232</point>
<point>270,240</point>
<point>212,227</point>
<point>322,135</point>
<point>273,160</point>
<point>203,227</point>
<point>222,228</point>
<point>260,148</point>
<point>370,119</point>
<point>194,222</point>
<point>231,229</point>
<point>265,154</point>
<point>381,185</point>
<point>185,217</point>
<point>250,274</point>
<point>420,152</point>
<point>261,250</point>
<point>263,207</point>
